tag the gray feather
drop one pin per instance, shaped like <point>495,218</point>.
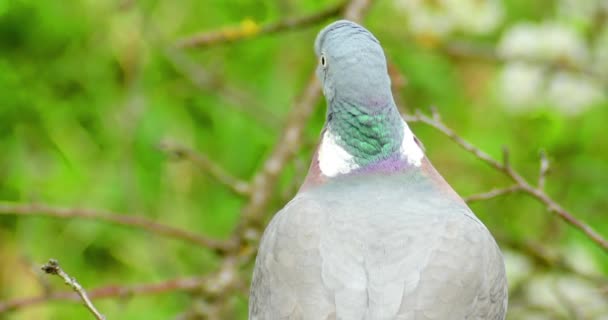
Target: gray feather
<point>331,254</point>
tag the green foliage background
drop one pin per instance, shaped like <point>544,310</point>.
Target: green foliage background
<point>88,90</point>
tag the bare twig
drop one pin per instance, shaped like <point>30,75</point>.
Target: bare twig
<point>420,117</point>
<point>52,267</point>
<point>543,170</point>
<point>435,113</point>
<point>299,176</point>
<point>492,194</point>
<point>238,186</point>
<point>249,29</point>
<point>505,167</point>
<point>265,180</point>
<point>225,279</point>
<point>112,291</point>
<point>356,9</point>
<point>506,158</point>
<point>398,82</point>
<point>44,210</point>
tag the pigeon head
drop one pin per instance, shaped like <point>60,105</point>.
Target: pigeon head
<point>352,66</point>
<point>363,130</point>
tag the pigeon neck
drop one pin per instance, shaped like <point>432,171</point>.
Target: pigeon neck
<point>357,140</point>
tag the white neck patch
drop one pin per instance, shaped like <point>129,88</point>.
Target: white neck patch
<point>409,148</point>
<point>334,160</point>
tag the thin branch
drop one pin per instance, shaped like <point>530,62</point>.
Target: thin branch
<point>43,210</point>
<point>250,29</point>
<point>506,158</point>
<point>543,170</point>
<point>238,186</point>
<point>265,180</point>
<point>438,124</point>
<point>112,291</point>
<point>224,280</point>
<point>299,168</point>
<point>52,267</point>
<point>554,207</point>
<point>356,10</point>
<point>505,167</point>
<point>492,194</point>
<point>398,82</point>
<point>435,113</point>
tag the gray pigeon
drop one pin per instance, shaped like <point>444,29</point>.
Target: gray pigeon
<point>374,232</point>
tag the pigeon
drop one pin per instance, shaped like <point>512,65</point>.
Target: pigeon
<point>374,231</point>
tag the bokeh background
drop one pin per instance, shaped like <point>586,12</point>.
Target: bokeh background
<point>89,90</point>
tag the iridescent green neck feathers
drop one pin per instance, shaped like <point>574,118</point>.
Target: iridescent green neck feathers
<point>367,137</point>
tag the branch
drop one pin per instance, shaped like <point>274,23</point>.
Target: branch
<point>238,186</point>
<point>543,170</point>
<point>178,284</point>
<point>492,194</point>
<point>44,210</point>
<point>52,267</point>
<point>521,182</point>
<point>216,284</point>
<point>356,10</point>
<point>265,180</point>
<point>299,169</point>
<point>249,29</point>
<point>436,123</point>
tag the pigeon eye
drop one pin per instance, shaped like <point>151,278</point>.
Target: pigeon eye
<point>323,61</point>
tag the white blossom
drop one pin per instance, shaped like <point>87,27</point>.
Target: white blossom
<point>477,17</point>
<point>432,22</point>
<point>578,10</point>
<point>550,291</point>
<point>549,41</point>
<point>521,85</point>
<point>443,17</point>
<point>573,93</point>
<point>518,267</point>
<point>526,86</point>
